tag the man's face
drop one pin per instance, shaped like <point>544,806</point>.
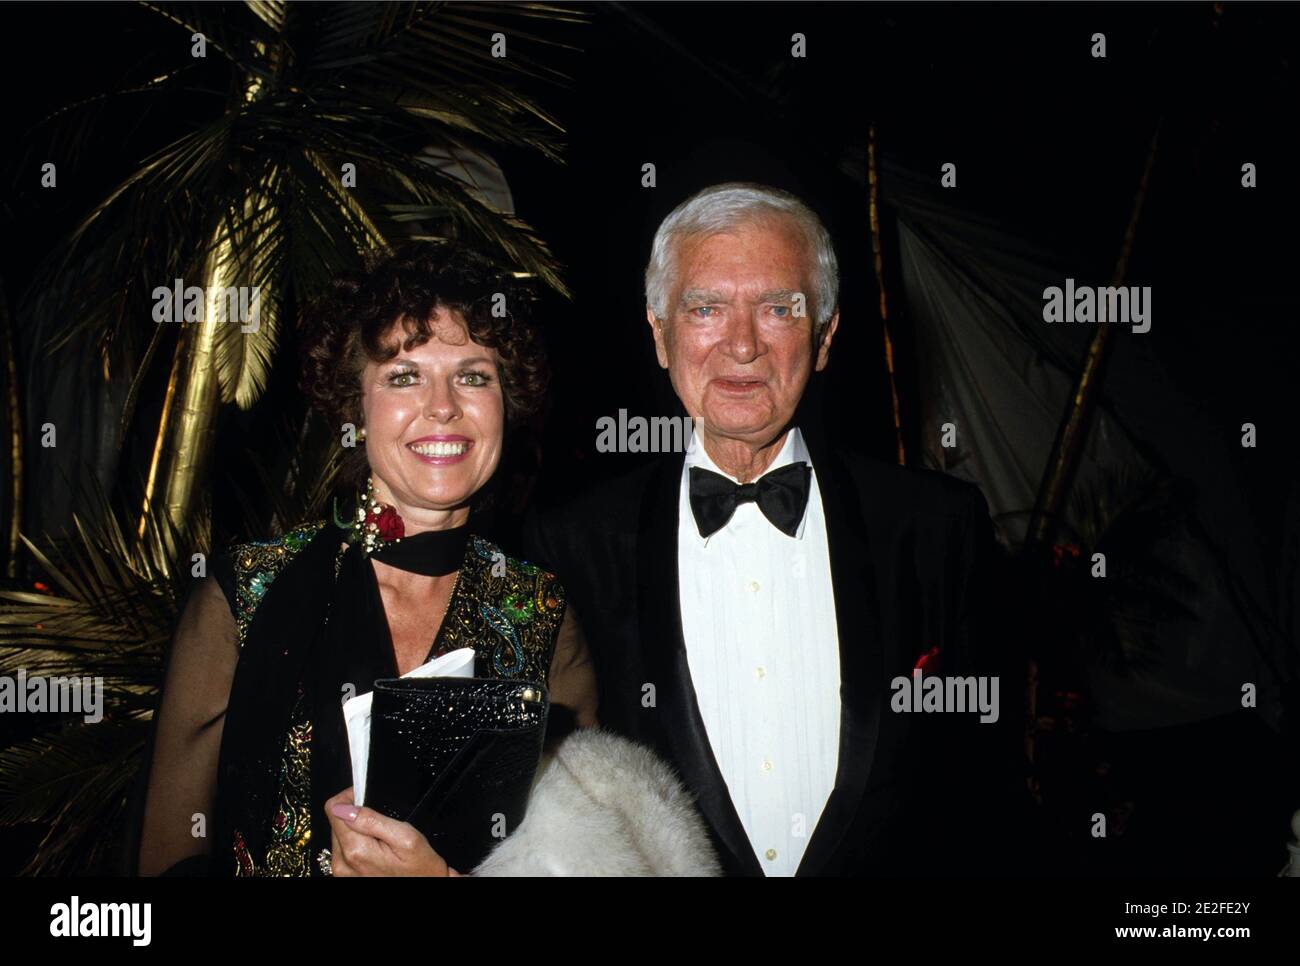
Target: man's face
<point>738,354</point>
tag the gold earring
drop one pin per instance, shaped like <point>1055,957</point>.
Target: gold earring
<point>361,433</point>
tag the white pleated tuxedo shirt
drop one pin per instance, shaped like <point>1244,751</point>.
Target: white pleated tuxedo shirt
<point>758,618</point>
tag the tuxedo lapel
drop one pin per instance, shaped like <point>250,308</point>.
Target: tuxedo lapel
<point>664,652</point>
<point>857,616</point>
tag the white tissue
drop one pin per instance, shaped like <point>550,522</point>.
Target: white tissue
<point>356,711</point>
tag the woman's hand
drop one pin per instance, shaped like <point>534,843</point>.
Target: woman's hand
<point>364,842</point>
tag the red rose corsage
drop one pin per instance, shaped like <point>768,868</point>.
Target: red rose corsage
<point>376,523</point>
<point>388,523</point>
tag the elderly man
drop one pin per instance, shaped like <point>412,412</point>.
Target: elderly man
<point>750,603</point>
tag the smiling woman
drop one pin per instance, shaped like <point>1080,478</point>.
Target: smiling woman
<point>424,312</point>
<point>433,418</point>
<point>428,356</point>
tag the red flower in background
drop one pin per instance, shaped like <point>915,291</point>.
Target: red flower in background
<point>928,663</point>
<point>1062,550</point>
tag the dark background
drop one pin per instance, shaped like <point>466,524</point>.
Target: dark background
<point>1047,139</point>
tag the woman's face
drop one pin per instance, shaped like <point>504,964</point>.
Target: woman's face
<point>434,419</point>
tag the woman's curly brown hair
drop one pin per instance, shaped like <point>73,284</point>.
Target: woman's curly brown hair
<point>346,327</point>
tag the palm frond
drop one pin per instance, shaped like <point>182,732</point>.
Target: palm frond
<point>235,32</point>
<point>250,252</point>
<point>72,124</point>
<point>119,602</point>
<point>367,83</point>
<point>77,779</point>
<point>111,622</point>
<point>158,201</point>
<point>273,13</point>
<point>110,617</point>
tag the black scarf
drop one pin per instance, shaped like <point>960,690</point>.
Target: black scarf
<point>321,633</point>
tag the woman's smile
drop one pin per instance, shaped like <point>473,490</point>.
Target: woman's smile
<point>441,450</point>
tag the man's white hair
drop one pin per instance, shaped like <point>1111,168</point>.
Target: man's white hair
<point>723,207</point>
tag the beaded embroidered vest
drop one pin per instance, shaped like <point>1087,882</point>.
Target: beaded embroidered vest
<point>509,611</point>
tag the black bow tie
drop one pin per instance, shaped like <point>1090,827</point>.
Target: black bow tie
<point>781,496</point>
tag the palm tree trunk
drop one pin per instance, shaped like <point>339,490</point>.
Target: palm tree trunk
<point>187,429</point>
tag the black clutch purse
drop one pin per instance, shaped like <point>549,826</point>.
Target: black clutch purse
<point>456,758</point>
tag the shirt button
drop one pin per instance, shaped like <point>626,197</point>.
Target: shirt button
<point>771,854</point>
<point>760,673</point>
<point>767,765</point>
<point>753,586</point>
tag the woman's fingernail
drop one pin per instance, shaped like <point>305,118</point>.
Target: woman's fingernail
<point>345,812</point>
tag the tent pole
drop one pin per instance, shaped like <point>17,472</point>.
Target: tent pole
<point>1073,431</point>
<point>1066,450</point>
<point>874,218</point>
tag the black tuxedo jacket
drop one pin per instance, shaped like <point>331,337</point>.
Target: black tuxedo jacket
<point>912,557</point>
